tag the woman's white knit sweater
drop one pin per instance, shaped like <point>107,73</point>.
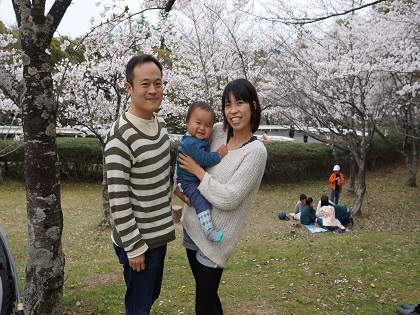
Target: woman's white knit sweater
<point>230,187</point>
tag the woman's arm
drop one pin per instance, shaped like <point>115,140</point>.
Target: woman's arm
<point>229,195</point>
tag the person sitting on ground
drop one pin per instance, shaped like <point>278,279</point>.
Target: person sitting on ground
<point>408,309</point>
<point>300,203</point>
<point>298,207</point>
<point>328,221</point>
<point>325,204</point>
<point>341,212</point>
<point>307,216</point>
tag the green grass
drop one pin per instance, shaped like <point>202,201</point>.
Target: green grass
<point>368,271</point>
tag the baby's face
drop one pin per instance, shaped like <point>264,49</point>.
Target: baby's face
<point>200,123</point>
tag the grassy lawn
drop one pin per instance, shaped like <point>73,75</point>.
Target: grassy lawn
<point>368,271</point>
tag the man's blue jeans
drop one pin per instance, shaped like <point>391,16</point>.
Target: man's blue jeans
<point>143,287</point>
<point>334,196</point>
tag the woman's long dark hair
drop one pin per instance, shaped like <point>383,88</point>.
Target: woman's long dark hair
<point>243,90</point>
<point>309,200</point>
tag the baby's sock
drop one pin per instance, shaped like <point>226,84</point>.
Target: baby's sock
<point>206,223</point>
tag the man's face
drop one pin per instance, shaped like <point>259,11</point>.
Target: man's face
<point>147,90</point>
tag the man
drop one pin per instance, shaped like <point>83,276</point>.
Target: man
<point>336,183</point>
<point>299,205</point>
<point>138,163</point>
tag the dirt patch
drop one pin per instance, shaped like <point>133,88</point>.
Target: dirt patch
<point>101,280</point>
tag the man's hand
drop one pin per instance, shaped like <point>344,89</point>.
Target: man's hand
<point>137,263</point>
<point>181,196</point>
<point>222,150</point>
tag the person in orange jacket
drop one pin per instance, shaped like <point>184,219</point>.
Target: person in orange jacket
<point>336,183</point>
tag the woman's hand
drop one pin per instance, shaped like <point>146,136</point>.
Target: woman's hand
<point>187,163</point>
<point>181,196</point>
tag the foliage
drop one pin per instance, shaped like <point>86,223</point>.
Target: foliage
<point>10,60</point>
<point>297,162</point>
<point>272,271</point>
<point>211,44</point>
<point>3,27</point>
<point>92,90</point>
<point>342,82</point>
<point>11,150</point>
<point>349,77</point>
<point>81,159</point>
<point>63,48</point>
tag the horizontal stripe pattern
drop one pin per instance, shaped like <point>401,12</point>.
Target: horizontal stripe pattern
<point>138,170</point>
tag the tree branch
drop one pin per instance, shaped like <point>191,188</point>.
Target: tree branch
<point>303,21</point>
<point>19,7</point>
<point>57,12</point>
<point>169,5</point>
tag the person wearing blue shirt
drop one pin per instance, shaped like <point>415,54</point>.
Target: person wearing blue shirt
<point>308,215</point>
<point>195,143</point>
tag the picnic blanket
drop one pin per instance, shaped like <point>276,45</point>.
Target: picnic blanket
<point>315,229</point>
<point>318,229</point>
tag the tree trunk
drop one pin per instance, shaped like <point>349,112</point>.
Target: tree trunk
<point>43,292</point>
<point>412,170</point>
<point>412,165</point>
<point>361,189</point>
<point>353,167</point>
<point>106,217</point>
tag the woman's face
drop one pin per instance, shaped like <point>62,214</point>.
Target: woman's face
<point>238,113</point>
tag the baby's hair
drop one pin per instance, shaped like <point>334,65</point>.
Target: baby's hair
<point>201,105</point>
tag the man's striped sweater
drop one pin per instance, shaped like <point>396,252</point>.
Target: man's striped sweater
<point>138,172</point>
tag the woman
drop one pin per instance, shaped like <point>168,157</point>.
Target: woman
<point>308,216</point>
<point>229,186</point>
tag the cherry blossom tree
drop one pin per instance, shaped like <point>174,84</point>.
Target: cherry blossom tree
<point>340,78</point>
<point>212,43</point>
<point>11,72</point>
<point>35,96</point>
<point>401,26</point>
<point>312,11</point>
<point>92,92</point>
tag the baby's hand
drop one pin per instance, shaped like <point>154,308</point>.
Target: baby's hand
<point>222,150</point>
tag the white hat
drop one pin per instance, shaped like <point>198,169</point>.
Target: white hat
<point>336,168</point>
